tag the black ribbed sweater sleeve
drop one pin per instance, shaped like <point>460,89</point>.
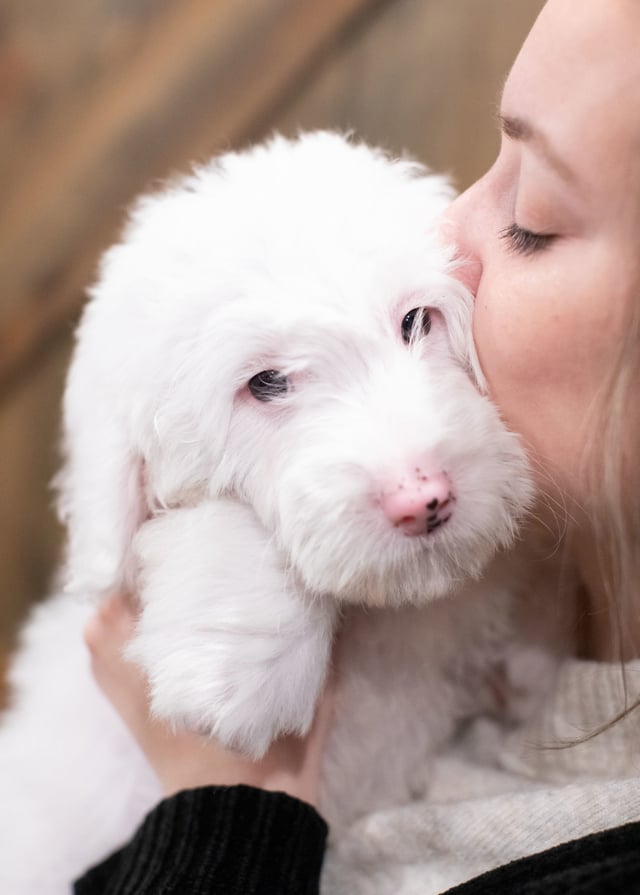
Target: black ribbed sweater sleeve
<point>235,840</point>
<point>606,863</point>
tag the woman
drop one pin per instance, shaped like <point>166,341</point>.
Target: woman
<point>552,238</point>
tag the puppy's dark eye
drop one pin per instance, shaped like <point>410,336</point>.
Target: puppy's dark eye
<point>418,317</point>
<point>268,385</point>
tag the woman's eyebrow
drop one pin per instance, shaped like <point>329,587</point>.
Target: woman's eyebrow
<point>523,131</point>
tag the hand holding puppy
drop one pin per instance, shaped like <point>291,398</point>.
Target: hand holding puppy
<point>182,759</point>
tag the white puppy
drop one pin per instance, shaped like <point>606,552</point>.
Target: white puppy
<point>274,411</point>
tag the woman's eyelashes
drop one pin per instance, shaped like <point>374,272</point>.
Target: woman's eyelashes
<point>525,242</point>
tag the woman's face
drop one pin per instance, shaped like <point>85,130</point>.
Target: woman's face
<point>552,231</point>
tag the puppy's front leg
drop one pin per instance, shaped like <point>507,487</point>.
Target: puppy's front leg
<point>229,645</point>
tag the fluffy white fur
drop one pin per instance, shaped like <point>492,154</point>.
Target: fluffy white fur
<point>246,525</point>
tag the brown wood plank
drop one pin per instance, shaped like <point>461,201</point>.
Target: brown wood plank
<point>30,537</point>
<point>4,663</point>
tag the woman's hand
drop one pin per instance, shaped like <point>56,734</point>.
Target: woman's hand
<point>184,760</point>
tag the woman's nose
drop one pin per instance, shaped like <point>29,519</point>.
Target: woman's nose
<point>460,226</point>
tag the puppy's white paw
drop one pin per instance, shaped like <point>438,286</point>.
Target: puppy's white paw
<point>244,689</point>
<point>229,646</point>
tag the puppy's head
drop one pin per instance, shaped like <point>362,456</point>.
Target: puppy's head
<point>296,339</point>
<point>363,444</point>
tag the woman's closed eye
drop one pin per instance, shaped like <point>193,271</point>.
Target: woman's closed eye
<point>525,242</point>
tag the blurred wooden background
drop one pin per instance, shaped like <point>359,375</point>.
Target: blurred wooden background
<point>100,98</point>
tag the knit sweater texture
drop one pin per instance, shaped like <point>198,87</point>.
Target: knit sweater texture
<point>499,795</point>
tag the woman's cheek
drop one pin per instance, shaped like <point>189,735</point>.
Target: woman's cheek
<point>530,322</point>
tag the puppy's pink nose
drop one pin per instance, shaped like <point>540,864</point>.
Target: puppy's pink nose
<point>419,505</point>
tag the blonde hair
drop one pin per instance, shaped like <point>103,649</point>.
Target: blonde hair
<point>611,474</point>
<point>613,485</point>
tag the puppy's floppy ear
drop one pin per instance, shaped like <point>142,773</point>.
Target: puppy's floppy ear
<point>100,489</point>
<point>143,441</point>
<point>185,441</point>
